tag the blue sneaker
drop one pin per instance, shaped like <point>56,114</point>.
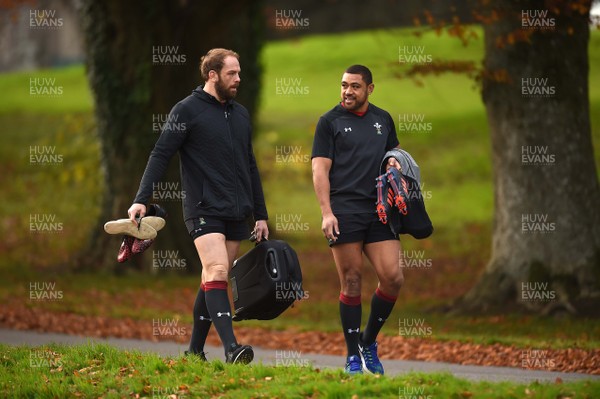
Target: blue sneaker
<point>370,361</point>
<point>353,365</point>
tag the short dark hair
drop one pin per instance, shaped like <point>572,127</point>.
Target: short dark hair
<point>214,61</point>
<point>361,70</point>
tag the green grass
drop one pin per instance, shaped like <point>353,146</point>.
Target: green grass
<point>324,58</point>
<point>101,370</point>
<point>68,190</point>
<point>76,96</point>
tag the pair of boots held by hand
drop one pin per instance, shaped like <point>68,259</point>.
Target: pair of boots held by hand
<point>137,237</point>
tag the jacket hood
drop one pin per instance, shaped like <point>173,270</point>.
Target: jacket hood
<point>199,92</point>
<point>407,163</point>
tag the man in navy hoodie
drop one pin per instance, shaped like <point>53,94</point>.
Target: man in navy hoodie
<point>222,189</point>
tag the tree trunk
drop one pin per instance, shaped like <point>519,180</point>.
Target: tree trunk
<point>546,235</point>
<point>134,87</point>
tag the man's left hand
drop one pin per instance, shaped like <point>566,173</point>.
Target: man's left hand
<point>261,230</point>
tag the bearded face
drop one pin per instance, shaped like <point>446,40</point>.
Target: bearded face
<point>354,91</point>
<point>226,91</point>
<point>228,79</point>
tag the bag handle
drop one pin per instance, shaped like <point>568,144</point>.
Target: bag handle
<point>252,238</point>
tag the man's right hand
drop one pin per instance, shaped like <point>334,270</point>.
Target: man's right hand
<point>392,163</point>
<point>330,227</point>
<point>136,209</point>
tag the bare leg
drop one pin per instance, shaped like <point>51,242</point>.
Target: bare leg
<point>348,261</point>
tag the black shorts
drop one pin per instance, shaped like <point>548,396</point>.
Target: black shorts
<point>362,227</point>
<point>233,230</point>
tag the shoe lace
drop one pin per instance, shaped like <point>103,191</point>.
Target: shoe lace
<point>370,352</point>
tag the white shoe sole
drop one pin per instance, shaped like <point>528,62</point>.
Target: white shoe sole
<point>155,221</point>
<point>126,226</point>
<point>364,363</point>
<point>244,357</point>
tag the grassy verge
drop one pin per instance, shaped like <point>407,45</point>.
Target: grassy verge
<point>101,370</point>
<point>71,82</point>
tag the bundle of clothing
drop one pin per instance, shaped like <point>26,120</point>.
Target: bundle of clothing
<point>399,199</point>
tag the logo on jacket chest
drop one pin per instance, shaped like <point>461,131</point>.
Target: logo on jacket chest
<point>346,130</point>
<point>378,127</point>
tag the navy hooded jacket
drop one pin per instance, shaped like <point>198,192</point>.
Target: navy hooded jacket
<point>219,176</point>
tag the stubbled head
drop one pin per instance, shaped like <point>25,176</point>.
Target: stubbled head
<point>357,85</point>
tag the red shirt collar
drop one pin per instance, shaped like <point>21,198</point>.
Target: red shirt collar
<point>354,112</point>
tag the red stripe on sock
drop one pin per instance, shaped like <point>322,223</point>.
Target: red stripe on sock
<point>350,300</point>
<point>215,285</point>
<point>384,296</point>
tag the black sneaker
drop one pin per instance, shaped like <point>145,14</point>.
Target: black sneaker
<point>200,355</point>
<point>240,354</point>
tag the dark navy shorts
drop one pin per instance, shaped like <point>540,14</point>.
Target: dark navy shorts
<point>362,227</point>
<point>233,230</point>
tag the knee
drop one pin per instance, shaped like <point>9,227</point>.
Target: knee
<point>216,272</point>
<point>391,284</point>
<point>351,283</point>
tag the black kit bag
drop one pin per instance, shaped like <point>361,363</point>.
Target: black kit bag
<point>265,281</point>
<point>414,219</point>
